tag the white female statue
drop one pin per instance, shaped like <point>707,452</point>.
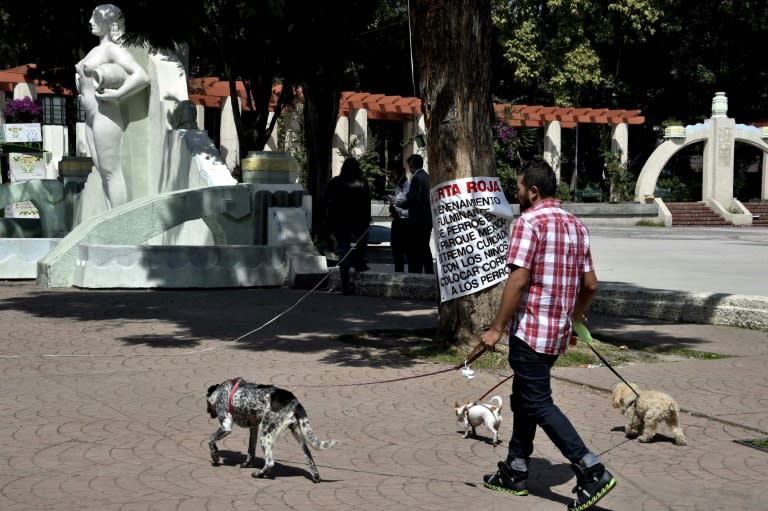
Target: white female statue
<point>106,75</point>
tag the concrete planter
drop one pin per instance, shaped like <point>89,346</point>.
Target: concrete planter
<point>674,132</point>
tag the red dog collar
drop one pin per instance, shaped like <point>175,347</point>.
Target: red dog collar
<point>230,409</point>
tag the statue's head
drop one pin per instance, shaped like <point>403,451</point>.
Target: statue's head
<point>110,18</point>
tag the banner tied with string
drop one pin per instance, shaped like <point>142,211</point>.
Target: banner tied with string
<point>471,219</point>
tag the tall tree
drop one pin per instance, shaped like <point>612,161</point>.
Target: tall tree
<point>451,42</point>
<point>562,51</point>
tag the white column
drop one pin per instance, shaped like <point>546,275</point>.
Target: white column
<point>620,141</point>
<point>229,146</point>
<point>717,179</point>
<point>764,184</point>
<point>25,90</point>
<point>552,146</point>
<point>358,132</point>
<point>81,144</point>
<point>55,141</point>
<point>339,143</point>
<point>200,116</point>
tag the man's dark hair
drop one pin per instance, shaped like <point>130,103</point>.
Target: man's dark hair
<point>538,173</point>
<point>416,161</point>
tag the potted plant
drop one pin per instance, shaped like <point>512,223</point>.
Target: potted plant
<point>673,128</point>
<point>23,111</point>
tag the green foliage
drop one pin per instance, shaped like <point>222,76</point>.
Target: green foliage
<point>368,159</point>
<point>562,48</point>
<point>296,145</point>
<point>425,344</point>
<point>563,192</point>
<point>671,122</point>
<point>622,181</point>
<point>508,143</point>
<point>649,223</point>
<point>679,191</point>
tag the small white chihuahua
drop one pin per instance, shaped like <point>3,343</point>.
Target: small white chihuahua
<point>476,414</point>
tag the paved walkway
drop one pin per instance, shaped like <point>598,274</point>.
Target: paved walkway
<point>103,408</point>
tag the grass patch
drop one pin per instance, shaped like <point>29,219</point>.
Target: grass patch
<point>649,223</point>
<point>658,350</point>
<point>757,443</point>
<point>421,343</point>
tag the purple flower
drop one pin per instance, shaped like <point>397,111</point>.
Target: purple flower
<point>23,110</point>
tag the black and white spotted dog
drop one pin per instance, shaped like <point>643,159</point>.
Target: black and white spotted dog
<point>267,411</point>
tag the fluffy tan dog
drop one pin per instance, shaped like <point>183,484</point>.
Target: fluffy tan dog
<point>644,413</point>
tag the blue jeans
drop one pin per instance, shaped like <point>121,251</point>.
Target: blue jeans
<point>532,406</point>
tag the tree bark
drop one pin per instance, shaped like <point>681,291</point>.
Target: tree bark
<point>321,107</point>
<point>451,44</point>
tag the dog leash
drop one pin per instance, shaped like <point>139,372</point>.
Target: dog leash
<point>585,336</point>
<point>377,382</point>
<point>497,385</point>
<point>479,350</point>
<point>289,309</point>
<point>469,374</point>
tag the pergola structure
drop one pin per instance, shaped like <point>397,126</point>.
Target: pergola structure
<point>356,108</point>
<point>537,116</point>
<point>10,78</point>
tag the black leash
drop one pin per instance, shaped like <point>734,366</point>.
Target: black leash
<point>585,336</point>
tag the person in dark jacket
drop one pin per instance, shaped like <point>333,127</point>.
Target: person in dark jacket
<point>349,217</point>
<point>399,229</point>
<point>417,203</point>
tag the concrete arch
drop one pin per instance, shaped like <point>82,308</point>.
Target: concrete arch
<point>649,175</point>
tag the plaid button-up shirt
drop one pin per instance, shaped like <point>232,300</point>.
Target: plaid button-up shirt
<point>554,246</point>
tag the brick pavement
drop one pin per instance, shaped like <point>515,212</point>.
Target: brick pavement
<point>103,408</point>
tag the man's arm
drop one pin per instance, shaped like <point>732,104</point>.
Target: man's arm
<point>415,191</point>
<point>510,300</point>
<point>587,291</point>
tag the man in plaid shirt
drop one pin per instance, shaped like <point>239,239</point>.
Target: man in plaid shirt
<point>551,281</point>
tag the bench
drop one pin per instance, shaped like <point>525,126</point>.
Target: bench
<point>589,194</point>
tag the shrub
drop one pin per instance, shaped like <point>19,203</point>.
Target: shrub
<point>622,181</point>
<point>23,110</point>
<point>679,191</point>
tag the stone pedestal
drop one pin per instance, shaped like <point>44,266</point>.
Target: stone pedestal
<point>269,167</point>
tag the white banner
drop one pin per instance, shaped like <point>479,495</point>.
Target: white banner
<point>25,167</point>
<point>24,132</point>
<point>471,220</point>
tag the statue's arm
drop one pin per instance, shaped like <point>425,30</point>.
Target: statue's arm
<point>135,80</point>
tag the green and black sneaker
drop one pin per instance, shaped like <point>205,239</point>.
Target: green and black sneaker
<point>592,484</point>
<point>508,480</point>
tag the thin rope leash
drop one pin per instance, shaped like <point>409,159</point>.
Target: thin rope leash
<point>377,382</point>
<point>204,350</point>
<point>289,309</point>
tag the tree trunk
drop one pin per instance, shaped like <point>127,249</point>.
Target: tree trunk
<point>321,107</point>
<point>451,43</point>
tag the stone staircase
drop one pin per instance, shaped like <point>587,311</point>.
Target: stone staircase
<point>694,214</point>
<point>759,212</point>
